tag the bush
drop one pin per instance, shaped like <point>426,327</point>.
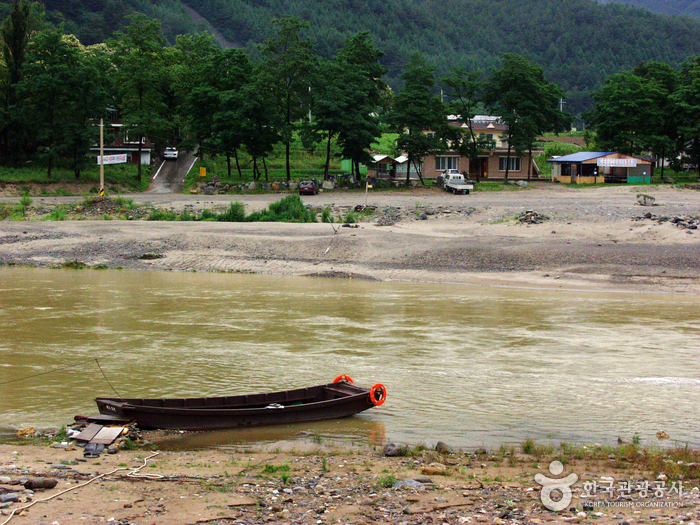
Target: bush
<point>350,217</point>
<point>161,215</point>
<point>235,213</point>
<point>289,209</point>
<point>327,216</point>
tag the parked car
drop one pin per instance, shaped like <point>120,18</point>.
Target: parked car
<point>454,181</point>
<point>170,153</point>
<point>308,187</point>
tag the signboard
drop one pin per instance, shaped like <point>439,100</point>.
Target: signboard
<point>113,159</point>
<point>202,171</point>
<point>618,163</point>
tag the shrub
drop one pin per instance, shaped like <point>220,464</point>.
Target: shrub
<point>289,209</point>
<point>350,217</point>
<point>235,213</point>
<point>161,215</point>
<point>326,215</point>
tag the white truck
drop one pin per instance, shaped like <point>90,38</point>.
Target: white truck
<point>452,180</point>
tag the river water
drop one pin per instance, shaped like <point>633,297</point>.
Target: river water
<point>469,365</point>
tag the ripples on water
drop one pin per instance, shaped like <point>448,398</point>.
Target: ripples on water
<point>468,365</point>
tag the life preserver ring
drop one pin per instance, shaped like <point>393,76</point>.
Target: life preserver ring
<point>343,377</point>
<point>377,394</point>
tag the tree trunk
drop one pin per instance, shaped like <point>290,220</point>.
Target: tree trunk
<point>529,162</point>
<point>138,159</point>
<point>420,176</point>
<point>255,168</point>
<point>265,166</point>
<point>663,157</point>
<point>508,162</point>
<point>238,166</point>
<point>328,156</point>
<point>408,171</point>
<point>289,173</point>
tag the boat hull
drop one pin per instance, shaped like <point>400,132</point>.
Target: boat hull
<point>331,401</point>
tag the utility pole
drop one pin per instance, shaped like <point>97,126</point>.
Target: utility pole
<point>102,159</point>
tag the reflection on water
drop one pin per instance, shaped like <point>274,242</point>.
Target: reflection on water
<point>468,365</point>
<point>356,430</point>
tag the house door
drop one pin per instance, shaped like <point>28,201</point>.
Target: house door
<point>478,169</point>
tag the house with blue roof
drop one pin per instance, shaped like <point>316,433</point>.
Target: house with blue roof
<point>597,167</point>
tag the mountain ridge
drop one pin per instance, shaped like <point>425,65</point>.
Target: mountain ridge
<point>577,42</point>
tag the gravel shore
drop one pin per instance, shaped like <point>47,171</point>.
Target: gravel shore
<point>319,483</point>
<point>543,236</point>
<point>593,238</point>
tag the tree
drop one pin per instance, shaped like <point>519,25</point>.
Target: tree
<point>640,111</point>
<point>234,86</point>
<point>418,115</point>
<point>526,102</point>
<point>465,88</point>
<point>363,77</point>
<point>347,94</point>
<point>16,32</point>
<point>63,88</point>
<point>288,66</point>
<point>662,138</point>
<point>687,98</point>
<point>139,73</point>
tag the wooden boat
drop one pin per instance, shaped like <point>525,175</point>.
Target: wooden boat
<point>339,399</point>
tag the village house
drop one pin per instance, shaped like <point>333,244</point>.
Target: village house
<point>119,147</point>
<point>595,167</point>
<point>491,163</point>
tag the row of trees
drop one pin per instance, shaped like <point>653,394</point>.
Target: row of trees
<point>220,101</point>
<point>653,108</point>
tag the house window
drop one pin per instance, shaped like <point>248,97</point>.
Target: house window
<point>514,164</point>
<point>446,163</point>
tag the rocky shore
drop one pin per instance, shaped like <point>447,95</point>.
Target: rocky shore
<point>312,482</point>
<point>547,236</point>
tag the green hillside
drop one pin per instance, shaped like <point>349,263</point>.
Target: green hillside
<point>667,7</point>
<point>577,42</point>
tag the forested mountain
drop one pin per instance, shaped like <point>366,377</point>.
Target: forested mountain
<point>668,7</point>
<point>577,42</point>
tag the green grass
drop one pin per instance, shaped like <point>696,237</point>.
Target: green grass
<point>118,176</point>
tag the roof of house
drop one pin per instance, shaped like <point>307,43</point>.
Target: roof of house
<point>581,156</point>
<point>381,157</point>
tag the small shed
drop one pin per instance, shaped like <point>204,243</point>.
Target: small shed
<point>593,167</point>
<point>382,167</point>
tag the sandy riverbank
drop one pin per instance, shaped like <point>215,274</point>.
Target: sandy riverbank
<point>315,483</point>
<point>591,239</point>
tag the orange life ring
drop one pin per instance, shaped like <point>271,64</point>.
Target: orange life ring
<point>377,394</point>
<point>343,377</point>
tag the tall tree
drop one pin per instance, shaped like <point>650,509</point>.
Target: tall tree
<point>360,59</point>
<point>465,91</point>
<point>687,98</point>
<point>235,79</point>
<point>526,102</point>
<point>16,32</point>
<point>625,113</point>
<point>199,67</point>
<point>139,72</point>
<point>662,138</point>
<point>418,115</point>
<point>288,67</point>
<point>63,88</point>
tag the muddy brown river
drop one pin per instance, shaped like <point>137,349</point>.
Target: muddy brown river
<point>469,365</point>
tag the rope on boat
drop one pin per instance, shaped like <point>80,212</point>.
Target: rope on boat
<point>110,384</point>
<point>133,474</point>
<point>32,376</point>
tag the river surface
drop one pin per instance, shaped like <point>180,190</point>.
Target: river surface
<point>472,366</point>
